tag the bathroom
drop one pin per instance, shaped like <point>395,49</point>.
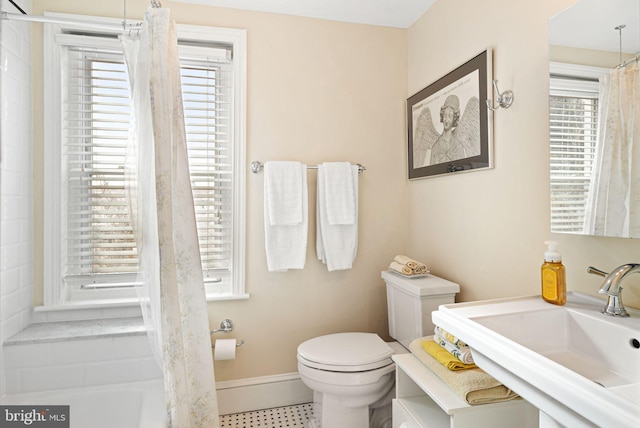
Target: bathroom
<point>320,90</point>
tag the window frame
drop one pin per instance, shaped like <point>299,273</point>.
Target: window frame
<point>55,206</point>
<point>572,80</point>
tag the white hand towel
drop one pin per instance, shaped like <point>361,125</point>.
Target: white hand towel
<point>336,244</point>
<point>339,184</point>
<point>283,185</point>
<point>404,260</point>
<point>286,244</point>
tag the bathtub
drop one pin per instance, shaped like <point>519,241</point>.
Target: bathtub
<point>126,405</point>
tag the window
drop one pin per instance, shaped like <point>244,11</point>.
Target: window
<point>90,249</point>
<point>573,111</point>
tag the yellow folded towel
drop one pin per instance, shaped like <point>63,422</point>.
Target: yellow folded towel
<point>444,357</point>
<point>463,353</point>
<point>404,260</point>
<point>403,269</point>
<point>473,385</point>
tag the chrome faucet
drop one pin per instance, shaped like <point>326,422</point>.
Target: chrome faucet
<point>611,287</point>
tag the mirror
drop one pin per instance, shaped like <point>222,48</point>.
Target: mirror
<point>587,41</point>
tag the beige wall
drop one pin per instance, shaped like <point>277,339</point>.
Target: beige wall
<point>321,91</point>
<point>317,91</point>
<point>486,229</point>
<point>594,58</point>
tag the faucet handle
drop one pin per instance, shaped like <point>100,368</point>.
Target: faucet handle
<point>614,306</point>
<point>596,271</point>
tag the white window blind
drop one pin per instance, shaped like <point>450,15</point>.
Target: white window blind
<point>573,110</point>
<point>99,244</point>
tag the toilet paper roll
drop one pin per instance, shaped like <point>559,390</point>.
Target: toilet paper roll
<point>225,349</point>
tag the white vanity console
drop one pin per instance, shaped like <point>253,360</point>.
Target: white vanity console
<point>424,401</point>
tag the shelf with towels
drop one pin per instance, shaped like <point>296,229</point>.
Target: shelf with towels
<point>257,166</point>
<point>424,400</point>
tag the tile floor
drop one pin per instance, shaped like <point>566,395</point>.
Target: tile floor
<point>281,417</point>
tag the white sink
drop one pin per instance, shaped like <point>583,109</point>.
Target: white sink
<point>577,365</point>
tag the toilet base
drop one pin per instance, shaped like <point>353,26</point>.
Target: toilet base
<point>329,411</point>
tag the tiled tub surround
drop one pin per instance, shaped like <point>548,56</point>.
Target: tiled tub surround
<point>82,355</point>
<point>141,405</point>
<point>58,355</point>
<point>128,405</point>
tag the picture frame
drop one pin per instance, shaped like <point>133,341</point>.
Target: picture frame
<point>448,122</point>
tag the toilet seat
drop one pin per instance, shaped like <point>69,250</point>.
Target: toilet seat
<point>345,352</point>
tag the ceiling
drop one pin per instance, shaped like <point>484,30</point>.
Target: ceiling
<point>590,24</point>
<point>389,13</point>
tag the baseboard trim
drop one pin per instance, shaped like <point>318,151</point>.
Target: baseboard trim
<point>265,392</point>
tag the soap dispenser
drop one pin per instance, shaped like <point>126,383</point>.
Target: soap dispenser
<point>554,286</point>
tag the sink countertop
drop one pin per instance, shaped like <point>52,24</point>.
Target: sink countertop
<point>540,380</point>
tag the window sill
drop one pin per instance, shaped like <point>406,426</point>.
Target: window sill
<point>47,332</point>
<point>88,304</point>
<point>122,303</point>
<point>104,309</point>
<point>89,320</point>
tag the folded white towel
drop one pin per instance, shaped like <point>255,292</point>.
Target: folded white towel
<point>283,186</point>
<point>404,260</point>
<point>338,187</point>
<point>461,353</point>
<point>403,269</point>
<point>336,244</point>
<point>286,244</point>
<point>442,333</point>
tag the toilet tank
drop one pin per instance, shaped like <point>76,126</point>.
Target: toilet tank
<point>410,302</point>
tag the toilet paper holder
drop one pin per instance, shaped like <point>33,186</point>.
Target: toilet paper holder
<point>226,326</point>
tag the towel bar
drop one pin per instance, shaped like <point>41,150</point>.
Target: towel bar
<point>257,166</point>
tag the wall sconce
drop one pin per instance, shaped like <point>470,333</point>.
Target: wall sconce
<point>504,99</point>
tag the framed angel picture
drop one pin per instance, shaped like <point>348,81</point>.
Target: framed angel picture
<point>448,122</point>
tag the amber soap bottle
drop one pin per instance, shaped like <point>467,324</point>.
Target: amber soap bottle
<point>554,284</point>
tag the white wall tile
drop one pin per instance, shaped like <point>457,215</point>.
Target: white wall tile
<point>83,351</point>
<point>13,381</point>
<point>132,347</point>
<point>121,371</point>
<point>16,224</point>
<point>10,280</point>
<point>35,355</point>
<point>149,369</point>
<point>10,304</point>
<point>11,325</point>
<point>72,363</point>
<point>53,377</point>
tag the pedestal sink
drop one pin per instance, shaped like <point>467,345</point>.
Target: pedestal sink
<point>577,365</point>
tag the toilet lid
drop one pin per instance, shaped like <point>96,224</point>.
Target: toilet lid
<point>345,352</point>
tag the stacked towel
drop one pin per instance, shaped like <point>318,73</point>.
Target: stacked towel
<point>337,215</point>
<point>285,215</point>
<point>473,385</point>
<point>439,331</point>
<point>403,269</point>
<point>408,266</point>
<point>462,353</point>
<point>444,357</point>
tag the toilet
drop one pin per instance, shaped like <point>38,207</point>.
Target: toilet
<point>351,374</point>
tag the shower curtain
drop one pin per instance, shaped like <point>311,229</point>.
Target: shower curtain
<point>161,206</point>
<point>613,203</point>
